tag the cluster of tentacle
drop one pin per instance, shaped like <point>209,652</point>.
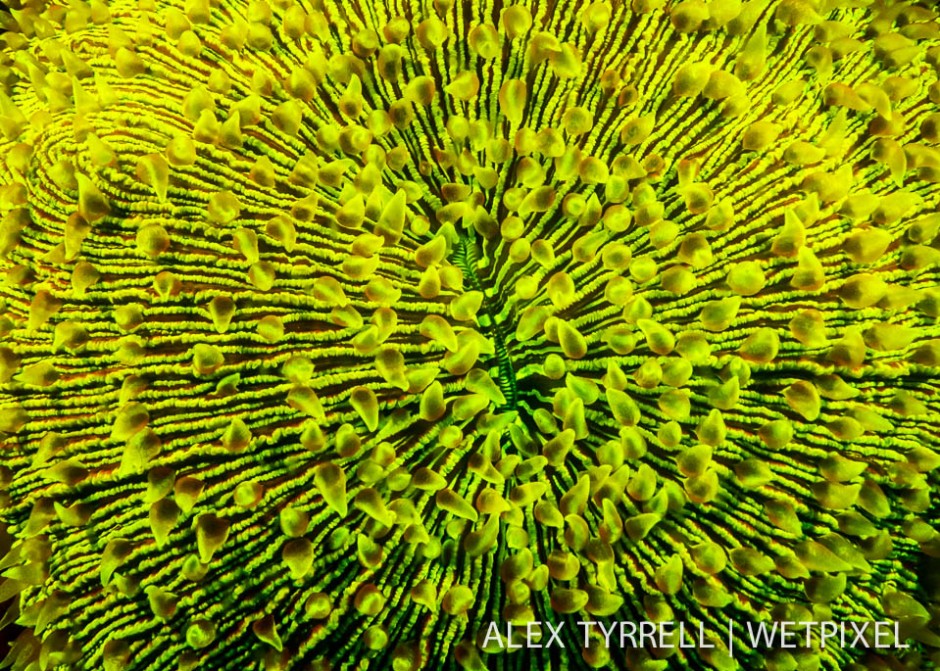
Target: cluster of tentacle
<point>331,332</point>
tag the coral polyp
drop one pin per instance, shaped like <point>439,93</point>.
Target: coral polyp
<point>334,332</point>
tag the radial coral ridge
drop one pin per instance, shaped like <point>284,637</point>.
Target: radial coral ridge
<point>334,331</point>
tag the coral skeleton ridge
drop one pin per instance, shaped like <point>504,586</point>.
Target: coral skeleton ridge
<point>332,332</point>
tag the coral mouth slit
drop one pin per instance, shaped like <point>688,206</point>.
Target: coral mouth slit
<point>489,321</point>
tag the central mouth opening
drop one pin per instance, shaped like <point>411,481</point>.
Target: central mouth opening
<point>465,256</point>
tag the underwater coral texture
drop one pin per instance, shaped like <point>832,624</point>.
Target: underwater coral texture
<point>332,332</point>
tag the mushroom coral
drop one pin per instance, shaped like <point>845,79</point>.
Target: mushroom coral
<point>332,332</point>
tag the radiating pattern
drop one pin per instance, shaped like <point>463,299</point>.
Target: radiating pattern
<point>334,331</point>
